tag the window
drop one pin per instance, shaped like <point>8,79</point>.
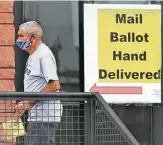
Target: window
<point>137,120</point>
<point>60,22</point>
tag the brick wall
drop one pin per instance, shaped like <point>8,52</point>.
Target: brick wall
<point>7,62</point>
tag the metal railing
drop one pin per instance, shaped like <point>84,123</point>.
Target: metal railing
<point>86,119</point>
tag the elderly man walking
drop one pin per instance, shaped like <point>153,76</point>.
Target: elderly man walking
<point>40,76</point>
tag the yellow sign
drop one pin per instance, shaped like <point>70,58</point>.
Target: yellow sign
<point>14,129</point>
<point>129,45</point>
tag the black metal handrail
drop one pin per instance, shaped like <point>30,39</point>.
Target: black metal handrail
<point>117,121</point>
<point>75,96</point>
<point>41,96</point>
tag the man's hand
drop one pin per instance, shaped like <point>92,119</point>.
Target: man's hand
<point>21,107</point>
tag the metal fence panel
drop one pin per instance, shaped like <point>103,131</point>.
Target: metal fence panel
<point>85,120</point>
<point>69,131</point>
<point>106,132</point>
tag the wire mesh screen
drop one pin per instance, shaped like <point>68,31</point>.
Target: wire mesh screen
<point>54,122</point>
<point>46,123</point>
<point>105,131</point>
<point>71,130</point>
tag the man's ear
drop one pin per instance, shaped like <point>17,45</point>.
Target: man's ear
<point>33,38</point>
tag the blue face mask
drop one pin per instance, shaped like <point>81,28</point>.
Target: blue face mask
<point>24,45</point>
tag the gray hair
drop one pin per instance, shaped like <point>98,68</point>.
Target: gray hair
<point>32,28</point>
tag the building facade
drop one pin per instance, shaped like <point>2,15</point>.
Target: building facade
<point>62,23</point>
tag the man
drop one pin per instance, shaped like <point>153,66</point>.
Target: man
<point>40,76</point>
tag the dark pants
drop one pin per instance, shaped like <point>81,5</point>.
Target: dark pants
<point>20,139</point>
<point>41,133</point>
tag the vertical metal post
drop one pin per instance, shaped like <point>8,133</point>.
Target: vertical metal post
<point>90,122</point>
<point>87,122</point>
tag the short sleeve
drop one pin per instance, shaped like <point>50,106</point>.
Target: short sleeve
<point>49,68</point>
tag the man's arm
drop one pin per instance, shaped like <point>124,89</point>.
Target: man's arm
<point>49,69</point>
<point>51,86</point>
